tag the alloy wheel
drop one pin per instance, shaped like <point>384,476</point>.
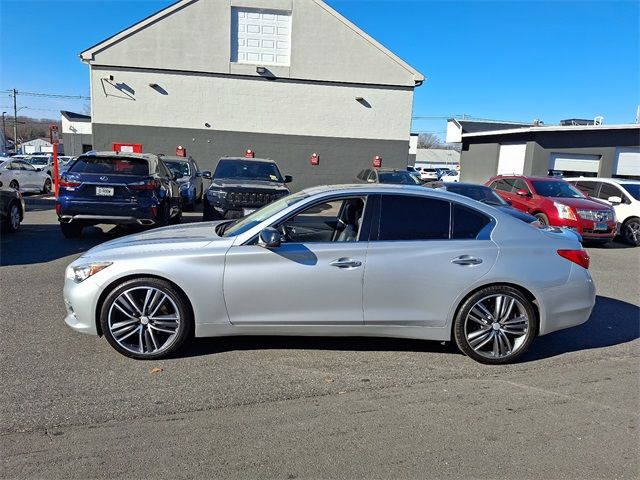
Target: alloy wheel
<point>497,326</point>
<point>14,217</point>
<point>632,232</point>
<point>144,320</point>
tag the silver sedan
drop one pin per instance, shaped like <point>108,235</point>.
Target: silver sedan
<point>383,260</point>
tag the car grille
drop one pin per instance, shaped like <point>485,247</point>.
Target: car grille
<point>250,198</point>
<point>596,215</point>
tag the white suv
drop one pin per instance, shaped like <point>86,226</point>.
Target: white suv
<point>623,194</point>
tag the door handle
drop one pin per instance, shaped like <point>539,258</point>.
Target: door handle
<point>466,260</point>
<point>345,263</point>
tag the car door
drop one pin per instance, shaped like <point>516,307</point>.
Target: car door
<point>313,278</point>
<point>521,202</point>
<point>427,253</point>
<point>27,175</point>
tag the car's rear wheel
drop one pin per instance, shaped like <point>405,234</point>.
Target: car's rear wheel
<point>631,231</point>
<point>71,230</point>
<point>146,318</point>
<point>12,221</point>
<point>46,188</point>
<point>495,325</point>
<point>14,184</point>
<point>544,220</point>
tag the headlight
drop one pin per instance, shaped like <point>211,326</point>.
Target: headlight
<point>564,211</point>
<point>81,272</point>
<point>217,193</point>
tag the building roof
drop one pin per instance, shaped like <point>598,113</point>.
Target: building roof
<point>475,126</point>
<point>437,155</point>
<point>37,142</point>
<point>553,128</point>
<point>75,117</point>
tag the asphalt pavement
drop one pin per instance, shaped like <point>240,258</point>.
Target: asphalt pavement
<point>263,407</point>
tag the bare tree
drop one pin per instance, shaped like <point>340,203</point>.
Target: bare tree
<point>428,140</point>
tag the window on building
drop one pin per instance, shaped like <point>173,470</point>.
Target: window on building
<point>260,37</point>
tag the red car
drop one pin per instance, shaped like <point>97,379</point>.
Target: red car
<point>556,202</point>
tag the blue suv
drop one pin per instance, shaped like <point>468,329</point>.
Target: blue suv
<point>119,189</point>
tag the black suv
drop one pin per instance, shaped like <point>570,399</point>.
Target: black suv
<point>242,185</point>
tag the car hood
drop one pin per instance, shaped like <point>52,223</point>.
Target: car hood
<point>180,237</point>
<point>583,203</point>
<point>246,183</point>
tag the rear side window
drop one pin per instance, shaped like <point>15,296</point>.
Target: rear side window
<point>405,217</point>
<point>110,166</point>
<point>467,223</point>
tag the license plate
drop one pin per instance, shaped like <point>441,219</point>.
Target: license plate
<point>104,191</point>
<point>600,226</point>
<point>247,211</point>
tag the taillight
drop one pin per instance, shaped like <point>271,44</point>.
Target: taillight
<point>147,185</point>
<point>63,182</point>
<point>58,208</point>
<point>581,257</point>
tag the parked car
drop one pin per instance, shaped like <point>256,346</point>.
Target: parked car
<point>242,185</point>
<point>450,176</point>
<point>190,178</point>
<point>23,176</point>
<point>337,261</point>
<point>486,195</point>
<point>556,202</point>
<point>117,188</point>
<point>428,174</point>
<point>386,175</point>
<point>42,163</point>
<point>11,209</point>
<point>623,195</point>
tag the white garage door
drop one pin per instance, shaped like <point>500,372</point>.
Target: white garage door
<point>627,162</point>
<point>511,158</point>
<point>261,37</point>
<point>569,162</point>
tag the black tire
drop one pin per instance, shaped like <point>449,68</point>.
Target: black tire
<point>176,219</point>
<point>199,197</point>
<point>11,223</point>
<point>47,186</point>
<point>630,231</point>
<point>136,289</point>
<point>544,220</point>
<point>164,212</point>
<point>71,230</point>
<point>14,184</point>
<point>466,329</point>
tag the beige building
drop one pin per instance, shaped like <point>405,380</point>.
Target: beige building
<point>285,78</point>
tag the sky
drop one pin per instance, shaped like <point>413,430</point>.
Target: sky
<point>510,60</point>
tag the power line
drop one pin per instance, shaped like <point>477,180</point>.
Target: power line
<point>47,95</point>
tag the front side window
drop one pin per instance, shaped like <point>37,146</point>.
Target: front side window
<point>331,221</point>
<point>260,37</point>
<point>407,217</point>
<point>519,184</point>
<point>607,191</point>
<point>588,188</point>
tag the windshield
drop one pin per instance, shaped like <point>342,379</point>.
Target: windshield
<point>259,216</point>
<point>38,160</point>
<point>179,168</point>
<point>246,169</point>
<point>479,193</point>
<point>633,189</point>
<point>403,178</point>
<point>557,189</point>
<point>110,165</point>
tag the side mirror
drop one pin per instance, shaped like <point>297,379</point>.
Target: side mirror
<point>614,200</point>
<point>523,193</point>
<point>269,238</point>
<point>288,179</point>
<point>206,174</point>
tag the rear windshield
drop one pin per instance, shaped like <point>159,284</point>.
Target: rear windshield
<point>38,160</point>
<point>110,165</point>
<point>403,178</point>
<point>248,170</point>
<point>179,168</point>
<point>558,189</point>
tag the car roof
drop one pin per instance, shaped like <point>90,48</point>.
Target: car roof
<point>143,156</point>
<point>601,179</point>
<point>247,159</point>
<point>174,158</point>
<point>515,175</point>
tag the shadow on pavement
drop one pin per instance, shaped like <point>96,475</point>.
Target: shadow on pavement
<point>612,322</point>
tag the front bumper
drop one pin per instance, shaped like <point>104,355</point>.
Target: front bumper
<point>80,300</point>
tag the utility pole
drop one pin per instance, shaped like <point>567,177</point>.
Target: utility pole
<point>15,121</point>
<point>4,133</point>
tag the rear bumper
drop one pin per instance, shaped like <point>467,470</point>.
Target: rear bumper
<point>110,219</point>
<point>142,212</point>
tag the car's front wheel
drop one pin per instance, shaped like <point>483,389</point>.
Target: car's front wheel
<point>12,221</point>
<point>46,188</point>
<point>146,318</point>
<point>544,220</point>
<point>631,231</point>
<point>495,325</point>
